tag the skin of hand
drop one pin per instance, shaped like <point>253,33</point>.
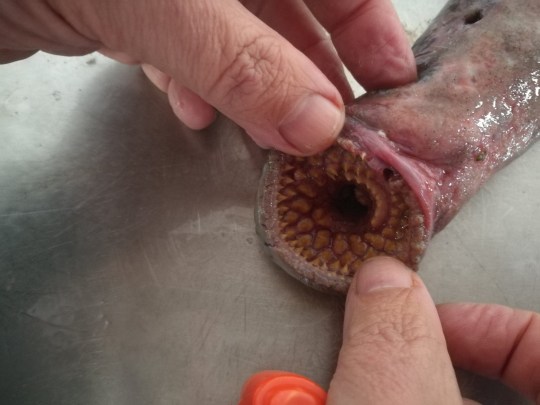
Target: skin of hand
<point>273,67</point>
<point>398,347</point>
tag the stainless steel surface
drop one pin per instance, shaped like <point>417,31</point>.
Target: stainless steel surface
<point>130,272</point>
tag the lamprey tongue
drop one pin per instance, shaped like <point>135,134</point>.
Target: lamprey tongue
<point>322,216</point>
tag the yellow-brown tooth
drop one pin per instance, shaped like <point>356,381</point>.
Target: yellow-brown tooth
<point>390,247</point>
<point>309,254</point>
<point>299,175</point>
<point>288,192</point>
<point>370,253</point>
<point>332,170</point>
<point>347,258</point>
<point>305,225</point>
<point>289,233</point>
<point>344,270</point>
<point>325,221</point>
<point>301,205</point>
<point>334,266</point>
<point>318,176</point>
<point>291,217</point>
<point>377,241</point>
<point>388,233</point>
<point>340,244</point>
<point>347,162</point>
<point>304,240</point>
<point>280,198</point>
<point>287,167</point>
<point>286,180</point>
<point>393,221</point>
<point>322,239</point>
<point>307,189</point>
<point>334,155</point>
<point>327,255</point>
<point>358,246</point>
<point>359,170</point>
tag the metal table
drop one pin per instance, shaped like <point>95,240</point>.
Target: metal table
<point>130,271</point>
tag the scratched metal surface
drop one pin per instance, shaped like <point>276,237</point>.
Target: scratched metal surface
<point>130,272</point>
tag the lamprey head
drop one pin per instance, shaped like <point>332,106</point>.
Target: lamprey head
<point>322,216</point>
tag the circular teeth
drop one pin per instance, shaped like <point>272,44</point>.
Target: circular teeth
<point>336,212</point>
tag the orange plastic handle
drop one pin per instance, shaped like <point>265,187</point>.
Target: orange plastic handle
<point>281,388</point>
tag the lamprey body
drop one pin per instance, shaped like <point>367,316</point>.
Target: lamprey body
<point>409,158</point>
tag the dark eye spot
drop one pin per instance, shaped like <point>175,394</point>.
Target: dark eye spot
<point>473,17</point>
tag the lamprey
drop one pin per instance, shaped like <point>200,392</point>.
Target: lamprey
<point>409,158</point>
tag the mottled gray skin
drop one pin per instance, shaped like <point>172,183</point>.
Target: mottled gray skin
<point>475,106</point>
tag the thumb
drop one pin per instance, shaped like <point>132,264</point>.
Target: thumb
<point>231,59</point>
<point>394,349</point>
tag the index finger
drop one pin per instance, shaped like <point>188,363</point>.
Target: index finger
<point>495,341</point>
<point>369,39</point>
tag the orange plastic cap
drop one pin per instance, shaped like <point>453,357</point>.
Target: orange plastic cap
<point>281,388</point>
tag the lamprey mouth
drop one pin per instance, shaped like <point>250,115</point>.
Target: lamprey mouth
<point>323,216</point>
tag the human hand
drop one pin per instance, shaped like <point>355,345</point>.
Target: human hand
<point>394,348</point>
<point>251,60</point>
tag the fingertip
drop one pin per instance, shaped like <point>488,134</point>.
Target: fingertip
<point>381,273</point>
<point>313,124</point>
<point>392,333</point>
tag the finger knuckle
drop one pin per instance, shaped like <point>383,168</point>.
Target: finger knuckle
<point>399,333</point>
<point>255,69</point>
<point>396,325</point>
